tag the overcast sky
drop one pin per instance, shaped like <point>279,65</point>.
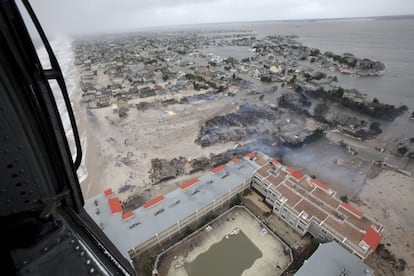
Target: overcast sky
<point>101,16</point>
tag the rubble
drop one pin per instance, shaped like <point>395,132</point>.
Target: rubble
<point>133,202</point>
<point>162,169</point>
<point>234,126</point>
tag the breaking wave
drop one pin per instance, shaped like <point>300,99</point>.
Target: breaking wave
<point>62,47</point>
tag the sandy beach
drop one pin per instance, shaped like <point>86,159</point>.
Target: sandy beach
<point>119,150</point>
<point>389,199</point>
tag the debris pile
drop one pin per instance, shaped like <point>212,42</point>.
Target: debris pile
<point>162,169</point>
<point>234,126</point>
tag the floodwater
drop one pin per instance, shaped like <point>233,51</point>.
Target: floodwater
<point>229,257</point>
<point>230,51</point>
<point>389,40</point>
<point>386,39</point>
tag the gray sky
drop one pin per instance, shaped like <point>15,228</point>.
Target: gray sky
<point>97,16</point>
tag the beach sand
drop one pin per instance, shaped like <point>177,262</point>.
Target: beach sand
<point>163,132</point>
<point>389,199</point>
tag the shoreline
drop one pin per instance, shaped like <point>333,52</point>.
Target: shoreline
<point>90,185</point>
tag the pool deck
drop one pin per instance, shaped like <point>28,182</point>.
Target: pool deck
<point>273,262</point>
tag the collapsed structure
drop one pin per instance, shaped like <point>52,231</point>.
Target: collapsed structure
<point>306,204</point>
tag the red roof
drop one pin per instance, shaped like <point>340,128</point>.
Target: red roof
<point>296,174</point>
<point>153,201</point>
<point>372,238</point>
<point>108,192</point>
<point>250,155</point>
<point>115,205</point>
<point>353,210</point>
<point>276,162</point>
<point>235,160</point>
<point>219,168</point>
<point>320,184</point>
<point>127,215</point>
<point>189,183</point>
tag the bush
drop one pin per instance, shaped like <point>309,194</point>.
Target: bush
<point>315,52</point>
<point>402,151</point>
<point>266,79</point>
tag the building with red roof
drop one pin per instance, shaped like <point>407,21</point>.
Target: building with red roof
<point>304,203</point>
<point>372,238</point>
<point>309,206</point>
<point>296,174</point>
<point>353,210</point>
<point>250,155</point>
<point>108,192</point>
<point>276,162</point>
<point>189,183</point>
<point>320,185</point>
<point>115,205</point>
<point>218,168</point>
<point>235,160</point>
<point>127,215</point>
<point>153,201</point>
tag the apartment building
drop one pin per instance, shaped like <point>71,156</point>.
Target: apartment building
<point>306,204</point>
<point>310,206</point>
<point>165,216</point>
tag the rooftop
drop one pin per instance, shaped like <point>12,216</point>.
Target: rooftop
<point>305,194</point>
<point>134,228</point>
<point>108,192</point>
<point>372,238</point>
<point>114,205</point>
<point>189,183</point>
<point>332,259</point>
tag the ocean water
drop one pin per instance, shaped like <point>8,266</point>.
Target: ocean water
<point>62,47</point>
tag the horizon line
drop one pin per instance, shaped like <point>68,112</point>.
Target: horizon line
<point>149,28</point>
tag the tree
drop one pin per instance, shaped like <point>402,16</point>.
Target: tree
<point>196,86</point>
<point>212,63</point>
<point>402,150</point>
<point>375,127</point>
<point>315,52</point>
<point>321,109</point>
<point>375,101</point>
<point>266,79</point>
